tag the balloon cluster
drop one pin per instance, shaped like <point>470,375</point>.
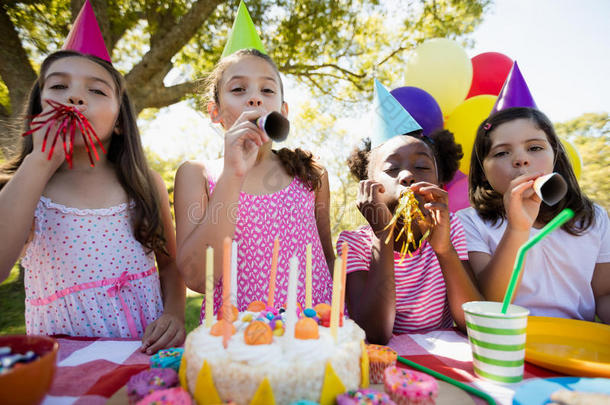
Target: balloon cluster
<point>447,89</point>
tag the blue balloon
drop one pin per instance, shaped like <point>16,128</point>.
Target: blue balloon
<point>422,107</point>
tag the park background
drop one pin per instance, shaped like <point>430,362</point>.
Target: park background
<point>328,53</point>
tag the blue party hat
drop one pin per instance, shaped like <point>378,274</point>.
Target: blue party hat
<point>389,117</point>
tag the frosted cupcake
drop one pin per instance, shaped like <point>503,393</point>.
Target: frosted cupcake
<point>364,397</point>
<point>380,357</point>
<point>408,387</point>
<point>149,381</point>
<point>172,396</point>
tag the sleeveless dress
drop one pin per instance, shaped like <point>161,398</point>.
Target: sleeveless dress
<point>87,275</point>
<point>289,215</point>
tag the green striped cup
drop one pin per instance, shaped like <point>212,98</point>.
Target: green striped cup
<point>497,340</point>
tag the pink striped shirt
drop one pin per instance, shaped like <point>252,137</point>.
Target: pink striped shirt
<point>421,296</point>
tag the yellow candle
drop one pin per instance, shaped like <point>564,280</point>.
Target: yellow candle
<point>335,303</point>
<point>226,291</point>
<point>344,249</point>
<point>272,274</point>
<point>209,287</point>
<point>308,303</point>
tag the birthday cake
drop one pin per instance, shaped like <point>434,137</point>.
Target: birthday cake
<point>262,364</point>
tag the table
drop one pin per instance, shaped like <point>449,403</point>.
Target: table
<point>91,370</point>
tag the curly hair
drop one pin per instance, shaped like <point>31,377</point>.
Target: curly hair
<point>296,162</point>
<point>489,203</point>
<point>125,153</point>
<point>447,155</point>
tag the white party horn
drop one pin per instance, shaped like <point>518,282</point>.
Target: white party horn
<point>275,125</point>
<point>551,188</point>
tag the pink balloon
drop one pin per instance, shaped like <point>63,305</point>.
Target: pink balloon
<point>489,72</point>
<point>458,192</point>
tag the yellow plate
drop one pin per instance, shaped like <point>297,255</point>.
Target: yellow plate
<point>569,346</point>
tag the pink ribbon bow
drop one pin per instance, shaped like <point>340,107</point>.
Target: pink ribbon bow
<point>115,290</point>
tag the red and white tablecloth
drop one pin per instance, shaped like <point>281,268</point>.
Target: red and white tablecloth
<point>90,370</point>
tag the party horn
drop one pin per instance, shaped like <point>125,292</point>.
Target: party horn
<point>551,188</point>
<point>275,125</point>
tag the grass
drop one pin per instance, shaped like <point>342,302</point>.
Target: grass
<point>12,306</point>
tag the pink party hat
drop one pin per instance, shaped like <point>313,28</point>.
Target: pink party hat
<point>86,36</point>
<point>514,93</point>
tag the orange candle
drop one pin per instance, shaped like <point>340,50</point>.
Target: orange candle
<point>344,249</point>
<point>272,274</point>
<point>335,302</point>
<point>226,291</point>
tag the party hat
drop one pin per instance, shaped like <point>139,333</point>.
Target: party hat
<point>86,36</point>
<point>389,117</point>
<point>243,34</point>
<point>514,93</point>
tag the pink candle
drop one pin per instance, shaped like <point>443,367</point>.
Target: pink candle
<point>272,274</point>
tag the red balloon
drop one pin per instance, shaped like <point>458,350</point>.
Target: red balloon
<point>489,72</point>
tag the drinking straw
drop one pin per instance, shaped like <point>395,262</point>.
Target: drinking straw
<point>449,380</point>
<point>556,222</point>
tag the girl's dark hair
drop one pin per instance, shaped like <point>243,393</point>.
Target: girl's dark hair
<point>447,155</point>
<point>125,152</point>
<point>489,203</point>
<point>296,162</point>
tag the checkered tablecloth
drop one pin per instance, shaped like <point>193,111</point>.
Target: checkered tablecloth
<point>89,370</point>
<point>448,352</point>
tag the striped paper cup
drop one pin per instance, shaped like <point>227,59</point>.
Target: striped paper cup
<point>497,340</point>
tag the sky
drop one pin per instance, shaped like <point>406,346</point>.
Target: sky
<point>562,47</point>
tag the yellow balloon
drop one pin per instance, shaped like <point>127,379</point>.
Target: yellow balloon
<point>464,122</point>
<point>574,157</point>
<point>441,67</point>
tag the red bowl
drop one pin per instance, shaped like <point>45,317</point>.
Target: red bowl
<point>28,383</point>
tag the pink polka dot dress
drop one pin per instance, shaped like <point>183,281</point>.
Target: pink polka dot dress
<point>290,216</point>
<point>86,274</point>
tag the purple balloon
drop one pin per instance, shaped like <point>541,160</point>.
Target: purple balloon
<point>422,107</point>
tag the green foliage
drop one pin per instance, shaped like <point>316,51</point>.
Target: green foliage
<point>12,302</point>
<point>590,133</point>
<point>192,311</point>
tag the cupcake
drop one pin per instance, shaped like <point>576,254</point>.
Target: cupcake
<point>364,397</point>
<point>148,381</point>
<point>408,387</point>
<point>174,396</point>
<point>168,358</point>
<point>380,357</point>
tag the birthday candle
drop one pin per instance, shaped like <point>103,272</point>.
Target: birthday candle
<point>291,306</point>
<point>226,290</point>
<point>234,273</point>
<point>209,287</point>
<point>335,303</point>
<point>344,249</point>
<point>308,303</point>
<point>273,272</point>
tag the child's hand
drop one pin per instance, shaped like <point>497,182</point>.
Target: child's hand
<point>377,213</point>
<point>163,333</point>
<point>242,142</point>
<point>521,202</point>
<point>58,156</point>
<point>436,204</point>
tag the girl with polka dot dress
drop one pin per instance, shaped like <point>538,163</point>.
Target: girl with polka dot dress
<point>96,238</point>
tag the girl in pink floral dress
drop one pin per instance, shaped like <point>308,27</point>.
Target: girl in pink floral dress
<point>90,234</point>
<point>254,194</point>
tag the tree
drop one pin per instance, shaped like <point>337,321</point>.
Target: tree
<point>590,133</point>
<point>332,46</point>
